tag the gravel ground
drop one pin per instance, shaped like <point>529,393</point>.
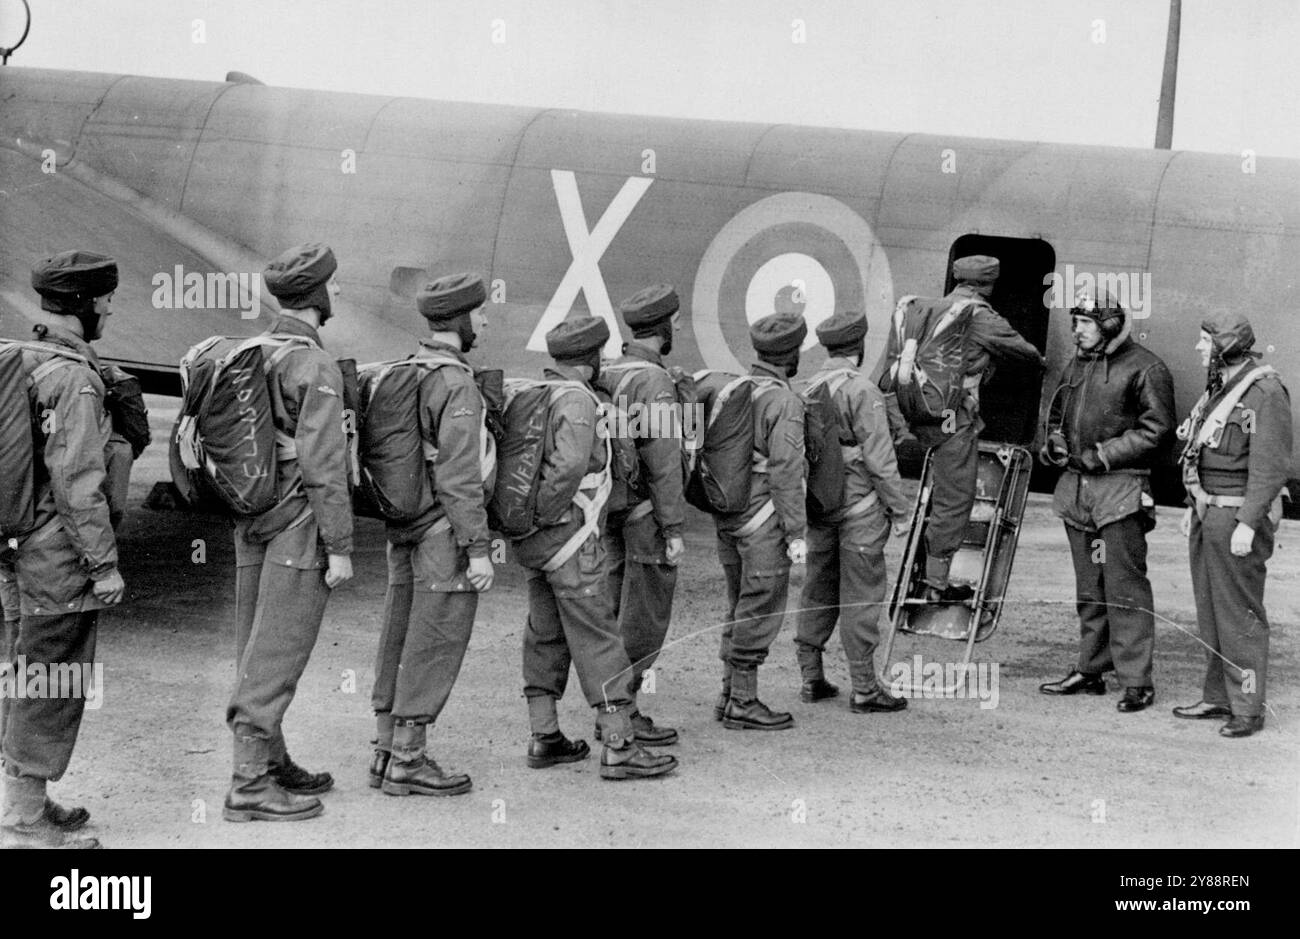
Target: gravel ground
<point>152,764</point>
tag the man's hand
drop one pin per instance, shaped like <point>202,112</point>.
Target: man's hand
<point>1185,526</point>
<point>1243,536</point>
<point>798,551</point>
<point>675,550</point>
<point>1087,462</point>
<point>481,573</point>
<point>1055,452</point>
<point>340,570</point>
<point>109,589</point>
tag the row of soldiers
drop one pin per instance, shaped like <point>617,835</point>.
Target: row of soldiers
<point>601,583</point>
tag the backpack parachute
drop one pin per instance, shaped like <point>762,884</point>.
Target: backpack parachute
<point>18,459</point>
<point>679,423</point>
<point>512,508</point>
<point>926,356</point>
<point>124,401</point>
<point>719,480</point>
<point>21,438</point>
<point>824,434</point>
<point>224,443</point>
<point>395,460</point>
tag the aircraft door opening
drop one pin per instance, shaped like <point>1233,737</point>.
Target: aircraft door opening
<point>1009,400</point>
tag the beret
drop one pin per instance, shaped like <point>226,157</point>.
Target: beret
<point>1231,334</point>
<point>294,276</point>
<point>778,333</point>
<point>650,306</point>
<point>449,297</point>
<point>577,337</point>
<point>976,269</point>
<point>842,329</point>
<point>75,275</point>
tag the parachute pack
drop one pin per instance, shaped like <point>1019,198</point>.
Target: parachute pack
<point>723,459</point>
<point>824,435</point>
<point>679,422</point>
<point>21,438</point>
<point>224,443</point>
<point>926,356</point>
<point>512,509</point>
<point>124,401</point>
<point>395,461</point>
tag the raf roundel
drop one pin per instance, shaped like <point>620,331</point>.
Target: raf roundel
<point>836,263</point>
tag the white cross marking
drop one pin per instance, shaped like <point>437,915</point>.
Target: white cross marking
<point>587,248</point>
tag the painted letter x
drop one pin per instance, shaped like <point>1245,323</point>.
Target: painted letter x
<point>587,248</point>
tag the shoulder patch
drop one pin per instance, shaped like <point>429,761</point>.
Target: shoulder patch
<point>462,412</point>
<point>327,390</point>
<point>87,390</point>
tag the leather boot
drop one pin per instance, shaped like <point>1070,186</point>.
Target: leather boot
<point>1075,683</point>
<point>291,777</point>
<point>24,822</point>
<point>411,772</point>
<point>66,819</point>
<point>632,761</point>
<point>549,749</point>
<point>383,750</point>
<point>745,712</point>
<point>720,706</point>
<point>1242,726</point>
<point>255,796</point>
<point>646,732</point>
<point>815,686</point>
<point>622,757</point>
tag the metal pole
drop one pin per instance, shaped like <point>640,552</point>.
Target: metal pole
<point>1169,83</point>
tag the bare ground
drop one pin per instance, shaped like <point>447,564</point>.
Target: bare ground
<point>153,763</point>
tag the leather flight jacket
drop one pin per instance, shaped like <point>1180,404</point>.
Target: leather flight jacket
<point>1119,403</point>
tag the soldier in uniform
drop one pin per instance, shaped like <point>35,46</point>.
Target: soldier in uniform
<point>570,618</point>
<point>65,568</point>
<point>846,553</point>
<point>438,563</point>
<point>1236,460</point>
<point>1109,424</point>
<point>757,545</point>
<point>644,538</point>
<point>290,558</point>
<point>954,450</point>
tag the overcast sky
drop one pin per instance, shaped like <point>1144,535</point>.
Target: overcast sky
<point>1078,71</point>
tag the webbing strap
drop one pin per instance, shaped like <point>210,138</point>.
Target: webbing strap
<point>1211,432</point>
<point>863,506</point>
<point>642,509</point>
<point>628,369</point>
<point>590,506</point>
<point>755,523</point>
<point>600,483</point>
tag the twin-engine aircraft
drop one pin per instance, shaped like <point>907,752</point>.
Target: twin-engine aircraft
<point>193,186</point>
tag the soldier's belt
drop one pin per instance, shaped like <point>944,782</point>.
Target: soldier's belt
<point>1204,499</point>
